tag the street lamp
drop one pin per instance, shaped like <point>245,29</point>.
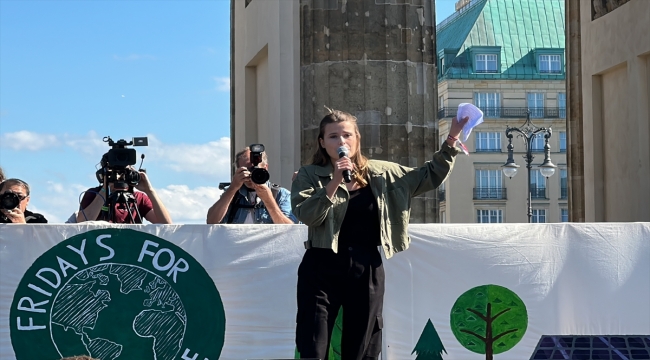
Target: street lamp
<point>528,131</point>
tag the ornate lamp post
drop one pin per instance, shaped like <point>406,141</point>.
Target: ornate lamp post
<point>528,131</point>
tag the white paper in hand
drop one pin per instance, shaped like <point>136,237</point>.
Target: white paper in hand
<point>475,117</point>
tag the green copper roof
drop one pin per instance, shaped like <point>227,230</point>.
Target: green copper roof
<point>518,29</point>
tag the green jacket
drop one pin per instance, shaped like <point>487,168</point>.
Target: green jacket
<point>393,186</point>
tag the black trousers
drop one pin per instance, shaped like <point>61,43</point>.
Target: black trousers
<point>354,279</point>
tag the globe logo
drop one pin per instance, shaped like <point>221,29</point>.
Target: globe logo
<point>93,303</point>
<point>117,294</point>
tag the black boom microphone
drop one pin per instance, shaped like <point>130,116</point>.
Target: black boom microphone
<point>347,175</point>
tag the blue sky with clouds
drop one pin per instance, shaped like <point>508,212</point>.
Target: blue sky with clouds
<point>73,72</point>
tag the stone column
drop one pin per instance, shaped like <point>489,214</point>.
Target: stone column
<point>375,59</point>
<point>575,145</point>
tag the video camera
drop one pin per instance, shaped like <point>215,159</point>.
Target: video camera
<point>258,175</point>
<point>115,163</point>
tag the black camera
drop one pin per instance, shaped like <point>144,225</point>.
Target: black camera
<point>9,200</point>
<point>258,175</point>
<point>115,163</point>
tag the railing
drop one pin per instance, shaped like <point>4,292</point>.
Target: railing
<point>462,69</point>
<point>511,112</point>
<point>482,193</point>
<point>564,192</point>
<point>441,195</point>
<point>455,15</point>
<point>538,192</point>
<point>481,150</point>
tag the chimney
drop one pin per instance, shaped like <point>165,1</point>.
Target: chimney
<point>461,4</point>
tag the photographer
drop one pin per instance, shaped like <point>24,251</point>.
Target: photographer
<point>14,197</point>
<point>246,202</point>
<point>146,202</point>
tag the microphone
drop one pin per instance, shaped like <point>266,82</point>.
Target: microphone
<point>343,151</point>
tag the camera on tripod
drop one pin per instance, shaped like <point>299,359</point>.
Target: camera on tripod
<point>117,161</point>
<point>259,175</point>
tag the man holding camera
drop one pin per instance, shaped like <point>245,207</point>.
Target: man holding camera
<point>14,197</point>
<point>142,201</point>
<point>251,198</point>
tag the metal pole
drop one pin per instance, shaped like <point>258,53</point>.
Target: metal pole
<point>528,132</point>
<point>528,166</point>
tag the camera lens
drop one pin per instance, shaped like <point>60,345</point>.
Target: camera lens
<point>132,177</point>
<point>260,176</point>
<point>9,201</point>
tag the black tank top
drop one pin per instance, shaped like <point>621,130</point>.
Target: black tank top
<point>361,223</point>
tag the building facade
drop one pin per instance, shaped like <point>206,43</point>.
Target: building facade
<point>265,82</point>
<point>609,109</point>
<point>507,58</point>
<point>375,59</point>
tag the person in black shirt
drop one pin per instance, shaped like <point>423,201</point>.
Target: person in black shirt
<point>19,214</point>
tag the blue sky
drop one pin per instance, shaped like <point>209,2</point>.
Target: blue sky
<point>73,72</point>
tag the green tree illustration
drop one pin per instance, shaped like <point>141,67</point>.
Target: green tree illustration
<point>489,319</point>
<point>335,341</point>
<point>429,346</point>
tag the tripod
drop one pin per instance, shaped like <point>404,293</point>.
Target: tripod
<point>121,197</point>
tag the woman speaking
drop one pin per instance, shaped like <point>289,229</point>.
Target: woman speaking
<point>353,205</point>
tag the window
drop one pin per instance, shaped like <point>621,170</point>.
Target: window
<point>442,65</point>
<point>539,216</point>
<point>564,190</point>
<point>536,105</point>
<point>488,184</point>
<point>488,142</point>
<point>550,64</point>
<point>441,102</point>
<point>561,104</point>
<point>564,215</point>
<point>489,103</point>
<point>485,59</point>
<point>538,142</point>
<point>489,216</point>
<point>537,185</point>
<point>562,141</point>
<point>486,63</point>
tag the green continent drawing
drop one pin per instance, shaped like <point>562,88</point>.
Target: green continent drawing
<point>117,294</point>
<point>489,319</point>
<point>153,322</point>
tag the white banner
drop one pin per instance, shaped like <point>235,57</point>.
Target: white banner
<point>228,291</point>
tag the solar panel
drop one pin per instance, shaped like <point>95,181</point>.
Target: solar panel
<point>593,347</point>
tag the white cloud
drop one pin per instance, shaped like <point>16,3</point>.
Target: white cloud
<point>188,206</point>
<point>89,144</point>
<point>27,140</point>
<point>223,83</point>
<point>57,202</point>
<point>133,57</point>
<point>211,159</point>
<point>185,205</point>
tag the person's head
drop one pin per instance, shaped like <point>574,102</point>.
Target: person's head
<point>243,159</point>
<point>339,128</point>
<point>18,187</point>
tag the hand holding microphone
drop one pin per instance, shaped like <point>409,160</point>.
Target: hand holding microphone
<point>343,152</point>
